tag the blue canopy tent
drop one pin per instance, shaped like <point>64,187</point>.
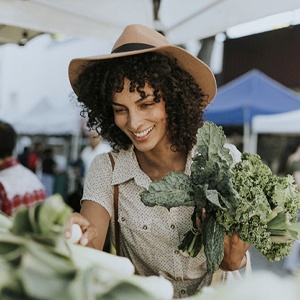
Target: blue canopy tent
<point>251,94</point>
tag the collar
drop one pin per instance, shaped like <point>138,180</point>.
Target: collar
<point>127,167</point>
<point>10,162</point>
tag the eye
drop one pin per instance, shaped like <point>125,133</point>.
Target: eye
<point>145,105</point>
<point>119,111</point>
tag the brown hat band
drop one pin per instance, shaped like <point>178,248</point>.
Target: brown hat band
<point>132,47</point>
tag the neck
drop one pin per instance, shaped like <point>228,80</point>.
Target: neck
<point>6,159</point>
<point>7,162</point>
<point>159,163</point>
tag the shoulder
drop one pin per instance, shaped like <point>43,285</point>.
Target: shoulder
<point>100,162</point>
<point>101,166</point>
<point>28,174</point>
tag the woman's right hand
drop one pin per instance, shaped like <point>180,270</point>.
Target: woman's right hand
<point>89,231</point>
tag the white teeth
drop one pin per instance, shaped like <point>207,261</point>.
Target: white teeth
<point>143,133</point>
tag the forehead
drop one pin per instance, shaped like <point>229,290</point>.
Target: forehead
<point>135,94</point>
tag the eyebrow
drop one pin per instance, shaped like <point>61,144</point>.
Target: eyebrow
<point>137,101</point>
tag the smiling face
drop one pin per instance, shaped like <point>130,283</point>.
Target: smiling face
<point>143,120</point>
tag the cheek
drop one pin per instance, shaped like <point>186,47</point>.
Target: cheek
<point>161,116</point>
<point>119,121</point>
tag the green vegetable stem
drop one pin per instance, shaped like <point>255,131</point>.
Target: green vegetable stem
<point>192,241</point>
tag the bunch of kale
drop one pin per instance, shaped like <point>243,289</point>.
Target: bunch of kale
<point>246,198</point>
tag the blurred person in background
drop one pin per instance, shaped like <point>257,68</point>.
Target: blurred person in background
<point>34,157</point>
<point>287,152</point>
<point>61,183</point>
<point>48,170</point>
<point>293,164</point>
<point>96,145</point>
<point>74,196</point>
<point>18,185</point>
<point>23,157</point>
<point>23,150</point>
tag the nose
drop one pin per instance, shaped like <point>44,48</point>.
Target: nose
<point>135,120</point>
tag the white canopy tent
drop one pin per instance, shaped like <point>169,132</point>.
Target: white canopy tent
<point>181,21</point>
<point>47,119</point>
<point>283,123</point>
<point>288,122</point>
<point>9,115</point>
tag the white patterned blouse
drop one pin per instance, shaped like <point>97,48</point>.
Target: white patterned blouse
<point>149,235</point>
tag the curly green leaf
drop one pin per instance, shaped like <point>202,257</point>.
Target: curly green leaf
<point>172,191</point>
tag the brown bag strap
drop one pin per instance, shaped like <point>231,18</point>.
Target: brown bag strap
<point>116,207</point>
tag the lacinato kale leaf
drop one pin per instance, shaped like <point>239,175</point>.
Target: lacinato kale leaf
<point>172,191</point>
<point>213,241</point>
<point>210,169</point>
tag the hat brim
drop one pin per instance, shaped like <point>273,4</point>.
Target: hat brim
<point>194,66</point>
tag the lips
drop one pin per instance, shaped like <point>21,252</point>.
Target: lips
<point>142,133</point>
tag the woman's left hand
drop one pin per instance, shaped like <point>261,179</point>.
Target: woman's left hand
<point>234,253</point>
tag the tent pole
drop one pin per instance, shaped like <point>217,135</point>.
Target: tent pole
<point>76,142</point>
<point>246,138</point>
<point>247,129</point>
<point>253,146</point>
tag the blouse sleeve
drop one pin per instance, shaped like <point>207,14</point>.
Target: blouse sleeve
<point>97,185</point>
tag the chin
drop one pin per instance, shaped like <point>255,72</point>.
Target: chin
<point>143,148</point>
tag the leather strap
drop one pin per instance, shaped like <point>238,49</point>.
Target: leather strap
<point>116,207</point>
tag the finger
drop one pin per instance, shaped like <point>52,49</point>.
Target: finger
<point>198,223</point>
<point>68,228</point>
<point>203,213</point>
<point>84,239</point>
<point>89,234</point>
<point>74,218</point>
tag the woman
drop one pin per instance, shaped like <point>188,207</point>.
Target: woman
<point>147,98</point>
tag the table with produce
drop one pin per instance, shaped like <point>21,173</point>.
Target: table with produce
<point>36,262</point>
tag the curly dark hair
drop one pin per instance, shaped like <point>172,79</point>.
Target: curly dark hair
<point>184,99</point>
<point>8,140</point>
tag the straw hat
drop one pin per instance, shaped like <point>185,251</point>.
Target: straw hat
<point>137,39</point>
